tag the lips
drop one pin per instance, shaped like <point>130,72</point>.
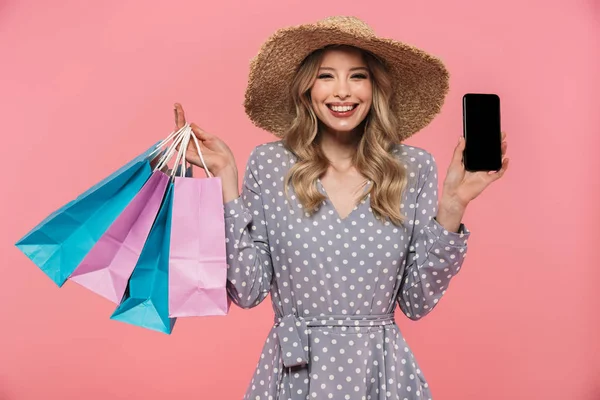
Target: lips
<point>342,111</point>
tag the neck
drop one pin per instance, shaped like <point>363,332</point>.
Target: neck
<point>340,147</point>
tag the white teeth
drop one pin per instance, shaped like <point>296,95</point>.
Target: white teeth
<point>341,108</point>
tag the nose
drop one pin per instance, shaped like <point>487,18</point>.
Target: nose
<point>341,90</point>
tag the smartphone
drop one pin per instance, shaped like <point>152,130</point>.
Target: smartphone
<point>481,129</point>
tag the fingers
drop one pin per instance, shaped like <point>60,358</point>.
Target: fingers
<point>199,133</point>
<point>179,116</point>
<point>502,170</point>
<point>495,175</point>
<point>498,174</point>
<point>458,152</point>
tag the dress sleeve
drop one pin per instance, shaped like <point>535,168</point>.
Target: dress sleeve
<point>249,266</point>
<point>435,255</point>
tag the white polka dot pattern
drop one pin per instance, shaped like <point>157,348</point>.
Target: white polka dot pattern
<point>324,267</point>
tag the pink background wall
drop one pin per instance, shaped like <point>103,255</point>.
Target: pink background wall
<point>83,89</point>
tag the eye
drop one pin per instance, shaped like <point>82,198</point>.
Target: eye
<point>323,76</point>
<point>359,76</point>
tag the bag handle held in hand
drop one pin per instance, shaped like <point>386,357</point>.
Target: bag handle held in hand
<point>185,138</point>
<point>200,153</point>
<point>180,158</point>
<point>166,157</point>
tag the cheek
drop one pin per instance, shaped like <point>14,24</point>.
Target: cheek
<point>366,93</point>
<point>317,92</point>
<point>367,103</point>
<point>314,103</point>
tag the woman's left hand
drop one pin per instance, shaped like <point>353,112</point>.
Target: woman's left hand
<point>462,186</point>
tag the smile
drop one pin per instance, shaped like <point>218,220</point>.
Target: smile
<point>342,111</point>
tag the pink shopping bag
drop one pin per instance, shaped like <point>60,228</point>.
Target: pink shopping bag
<point>197,257</point>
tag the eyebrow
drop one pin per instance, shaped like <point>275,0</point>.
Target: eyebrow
<point>351,69</point>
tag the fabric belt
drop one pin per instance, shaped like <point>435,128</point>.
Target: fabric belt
<point>292,332</point>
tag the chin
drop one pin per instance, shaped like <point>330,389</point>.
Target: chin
<point>348,127</point>
<point>344,128</point>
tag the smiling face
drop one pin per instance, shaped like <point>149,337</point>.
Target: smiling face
<point>342,94</point>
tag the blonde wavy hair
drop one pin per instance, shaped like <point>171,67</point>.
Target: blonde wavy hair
<point>373,157</point>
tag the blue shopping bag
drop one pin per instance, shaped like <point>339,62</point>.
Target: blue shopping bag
<point>61,241</point>
<point>146,299</point>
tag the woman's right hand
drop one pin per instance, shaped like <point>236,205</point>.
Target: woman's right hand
<point>217,155</point>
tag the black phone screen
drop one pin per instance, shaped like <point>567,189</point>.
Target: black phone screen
<point>481,126</point>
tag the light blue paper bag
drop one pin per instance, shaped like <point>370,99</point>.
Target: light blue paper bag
<point>146,299</point>
<point>61,241</point>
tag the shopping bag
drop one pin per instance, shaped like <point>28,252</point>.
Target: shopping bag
<point>197,257</point>
<point>145,302</point>
<point>61,241</point>
<point>107,267</point>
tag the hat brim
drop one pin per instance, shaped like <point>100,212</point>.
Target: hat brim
<point>420,80</point>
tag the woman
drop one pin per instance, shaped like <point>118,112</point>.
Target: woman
<point>338,220</point>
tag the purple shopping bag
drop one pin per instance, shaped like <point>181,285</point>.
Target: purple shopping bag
<point>107,267</point>
<point>197,257</point>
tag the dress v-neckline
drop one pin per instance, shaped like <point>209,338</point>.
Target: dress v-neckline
<point>356,206</point>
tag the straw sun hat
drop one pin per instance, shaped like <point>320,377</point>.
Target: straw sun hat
<point>420,80</point>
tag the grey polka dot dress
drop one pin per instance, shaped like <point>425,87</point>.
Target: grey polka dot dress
<point>335,283</point>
